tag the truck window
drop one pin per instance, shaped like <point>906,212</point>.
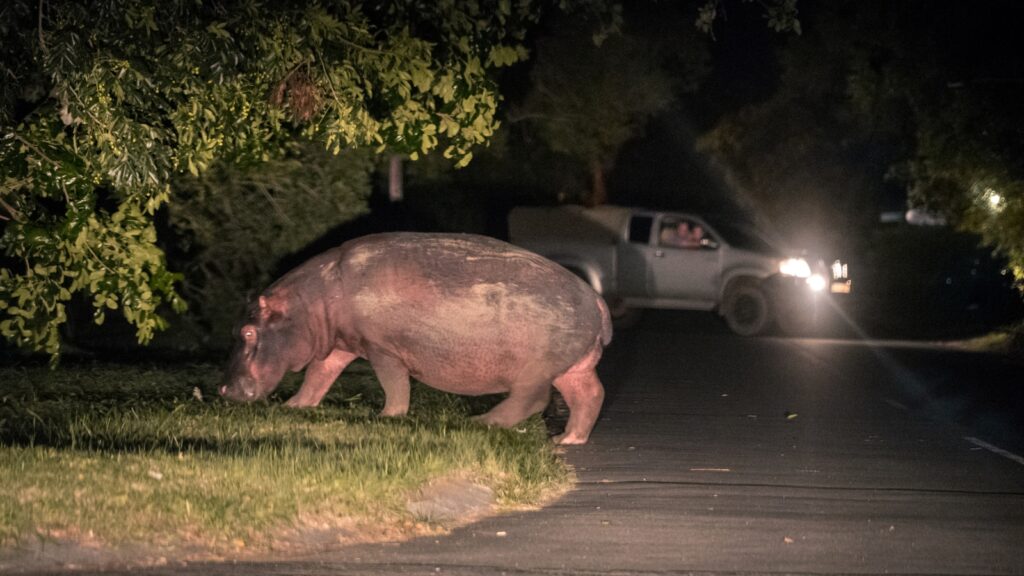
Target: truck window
<point>640,229</point>
<point>681,233</point>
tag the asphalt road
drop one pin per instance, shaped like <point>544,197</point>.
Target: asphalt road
<point>724,455</point>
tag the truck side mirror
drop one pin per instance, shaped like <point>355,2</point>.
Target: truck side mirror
<point>708,244</point>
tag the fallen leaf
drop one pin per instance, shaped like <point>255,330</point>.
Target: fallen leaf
<point>787,540</point>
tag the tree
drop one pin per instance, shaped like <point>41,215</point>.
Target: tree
<point>587,100</point>
<point>803,156</point>
<point>947,79</point>
<point>591,94</point>
<point>238,222</point>
<point>969,164</point>
<point>103,102</point>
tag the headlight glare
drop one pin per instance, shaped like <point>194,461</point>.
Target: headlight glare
<point>795,267</point>
<point>817,282</point>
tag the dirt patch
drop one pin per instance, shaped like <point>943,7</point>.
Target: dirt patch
<point>451,501</point>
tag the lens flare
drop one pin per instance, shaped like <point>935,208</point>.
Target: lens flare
<point>817,282</point>
<point>795,267</point>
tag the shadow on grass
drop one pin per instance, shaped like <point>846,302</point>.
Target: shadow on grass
<point>138,409</point>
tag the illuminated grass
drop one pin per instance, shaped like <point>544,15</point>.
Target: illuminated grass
<point>115,454</point>
<point>1007,340</point>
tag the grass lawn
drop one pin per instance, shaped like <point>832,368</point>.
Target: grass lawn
<point>112,455</point>
<point>1007,340</point>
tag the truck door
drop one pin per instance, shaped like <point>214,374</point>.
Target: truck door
<point>633,256</point>
<point>686,261</point>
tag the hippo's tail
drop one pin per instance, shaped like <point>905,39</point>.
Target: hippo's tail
<point>606,321</point>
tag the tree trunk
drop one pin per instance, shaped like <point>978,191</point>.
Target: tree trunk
<point>395,185</point>
<point>598,191</point>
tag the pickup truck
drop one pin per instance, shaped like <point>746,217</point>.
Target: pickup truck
<point>639,258</point>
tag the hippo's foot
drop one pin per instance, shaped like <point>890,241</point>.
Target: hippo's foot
<point>570,439</point>
<point>522,402</point>
<point>299,402</point>
<point>392,412</point>
<point>486,419</point>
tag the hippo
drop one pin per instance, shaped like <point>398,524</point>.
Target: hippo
<point>462,313</point>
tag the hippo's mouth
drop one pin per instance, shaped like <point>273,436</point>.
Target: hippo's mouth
<point>239,393</point>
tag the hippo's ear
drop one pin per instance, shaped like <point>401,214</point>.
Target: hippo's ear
<point>270,305</point>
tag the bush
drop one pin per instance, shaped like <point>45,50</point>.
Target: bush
<point>236,223</point>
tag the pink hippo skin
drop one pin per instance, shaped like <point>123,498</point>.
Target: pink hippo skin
<point>462,313</point>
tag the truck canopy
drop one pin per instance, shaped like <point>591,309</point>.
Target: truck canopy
<point>604,224</point>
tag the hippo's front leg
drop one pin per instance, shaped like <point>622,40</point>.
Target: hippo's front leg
<point>320,374</point>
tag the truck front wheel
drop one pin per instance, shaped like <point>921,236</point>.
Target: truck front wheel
<point>746,309</point>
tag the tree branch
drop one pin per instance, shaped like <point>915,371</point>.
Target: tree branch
<point>13,213</point>
<point>327,74</point>
<point>35,149</point>
<point>42,40</point>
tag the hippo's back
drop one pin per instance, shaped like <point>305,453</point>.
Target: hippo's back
<point>459,306</point>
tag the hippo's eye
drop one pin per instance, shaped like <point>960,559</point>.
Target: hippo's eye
<point>249,333</point>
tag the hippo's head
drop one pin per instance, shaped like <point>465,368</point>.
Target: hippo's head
<point>272,342</point>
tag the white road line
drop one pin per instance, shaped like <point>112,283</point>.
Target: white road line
<point>996,449</point>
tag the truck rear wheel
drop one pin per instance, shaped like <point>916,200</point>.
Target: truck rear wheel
<point>746,309</point>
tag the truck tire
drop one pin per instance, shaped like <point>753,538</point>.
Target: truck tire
<point>747,309</point>
<point>623,317</point>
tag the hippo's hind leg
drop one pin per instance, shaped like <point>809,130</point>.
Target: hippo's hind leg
<point>394,379</point>
<point>320,374</point>
<point>523,401</point>
<point>584,395</point>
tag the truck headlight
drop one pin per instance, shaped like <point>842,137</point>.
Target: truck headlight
<point>795,267</point>
<point>817,282</point>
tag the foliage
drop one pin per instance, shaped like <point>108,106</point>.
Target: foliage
<point>948,82</point>
<point>239,222</point>
<point>95,453</point>
<point>802,156</point>
<point>590,96</point>
<point>103,102</point>
<point>587,100</point>
<point>969,165</point>
<point>780,15</point>
<point>877,95</point>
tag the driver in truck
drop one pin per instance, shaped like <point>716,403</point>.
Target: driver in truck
<point>681,234</point>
